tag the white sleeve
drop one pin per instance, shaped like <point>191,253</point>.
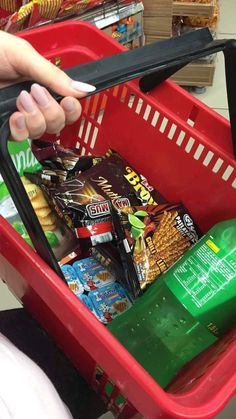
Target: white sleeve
<point>25,391</point>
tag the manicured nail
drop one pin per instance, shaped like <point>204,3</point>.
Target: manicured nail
<point>20,122</point>
<point>39,95</point>
<point>68,104</point>
<point>27,102</point>
<point>82,87</point>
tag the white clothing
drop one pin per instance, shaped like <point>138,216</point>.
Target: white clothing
<point>25,391</point>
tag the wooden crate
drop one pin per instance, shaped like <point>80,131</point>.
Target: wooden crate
<point>158,15</point>
<point>193,9</point>
<point>149,39</point>
<point>158,26</point>
<point>195,74</point>
<point>158,7</point>
<point>158,18</point>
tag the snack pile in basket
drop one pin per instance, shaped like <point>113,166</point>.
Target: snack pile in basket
<point>112,233</point>
<point>133,259</point>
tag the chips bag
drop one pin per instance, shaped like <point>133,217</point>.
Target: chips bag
<point>151,239</point>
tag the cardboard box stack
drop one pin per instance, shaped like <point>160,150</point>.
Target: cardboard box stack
<point>157,19</point>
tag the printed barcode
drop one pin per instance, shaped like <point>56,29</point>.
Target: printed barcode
<point>101,238</point>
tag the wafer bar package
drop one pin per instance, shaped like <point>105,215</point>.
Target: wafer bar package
<point>91,222</point>
<point>72,280</point>
<point>151,239</point>
<point>110,302</point>
<point>92,274</point>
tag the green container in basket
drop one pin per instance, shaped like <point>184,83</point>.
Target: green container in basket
<point>187,309</point>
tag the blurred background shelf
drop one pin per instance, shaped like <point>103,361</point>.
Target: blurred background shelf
<point>188,8</point>
<point>166,18</point>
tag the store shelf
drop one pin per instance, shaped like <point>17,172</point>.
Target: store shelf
<point>103,17</point>
<point>193,9</point>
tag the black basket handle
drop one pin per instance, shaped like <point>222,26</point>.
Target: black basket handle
<point>154,63</point>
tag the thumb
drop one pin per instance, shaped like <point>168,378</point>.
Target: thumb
<point>44,72</point>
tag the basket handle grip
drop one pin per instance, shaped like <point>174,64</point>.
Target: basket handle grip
<point>154,62</point>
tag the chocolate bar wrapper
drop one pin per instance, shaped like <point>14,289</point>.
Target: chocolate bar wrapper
<point>92,222</point>
<point>56,157</point>
<point>151,239</point>
<point>88,214</point>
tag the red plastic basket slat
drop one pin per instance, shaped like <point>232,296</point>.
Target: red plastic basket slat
<point>185,150</point>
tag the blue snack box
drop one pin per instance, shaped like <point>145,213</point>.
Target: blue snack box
<point>83,265</point>
<point>87,301</point>
<point>92,275</point>
<point>109,302</point>
<point>72,279</point>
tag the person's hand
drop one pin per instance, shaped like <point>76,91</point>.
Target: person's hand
<point>38,112</point>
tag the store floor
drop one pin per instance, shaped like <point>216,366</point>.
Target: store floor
<point>216,98</point>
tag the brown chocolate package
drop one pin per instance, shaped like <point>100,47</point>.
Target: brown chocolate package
<point>56,157</point>
<point>153,238</point>
<point>113,178</point>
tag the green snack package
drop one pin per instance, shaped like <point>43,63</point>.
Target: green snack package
<point>23,159</point>
<point>59,236</point>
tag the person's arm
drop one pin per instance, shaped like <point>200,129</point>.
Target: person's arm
<point>37,110</point>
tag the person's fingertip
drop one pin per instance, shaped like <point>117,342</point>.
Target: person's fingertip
<point>39,95</point>
<point>82,87</point>
<point>27,102</point>
<point>18,127</point>
<point>20,122</point>
<point>68,104</point>
<point>72,109</point>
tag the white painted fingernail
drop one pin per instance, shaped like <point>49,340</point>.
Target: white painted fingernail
<point>27,102</point>
<point>39,95</point>
<point>82,87</point>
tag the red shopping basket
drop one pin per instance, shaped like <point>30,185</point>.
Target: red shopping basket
<point>185,149</point>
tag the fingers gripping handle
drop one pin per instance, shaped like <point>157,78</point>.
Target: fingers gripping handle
<point>113,70</point>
